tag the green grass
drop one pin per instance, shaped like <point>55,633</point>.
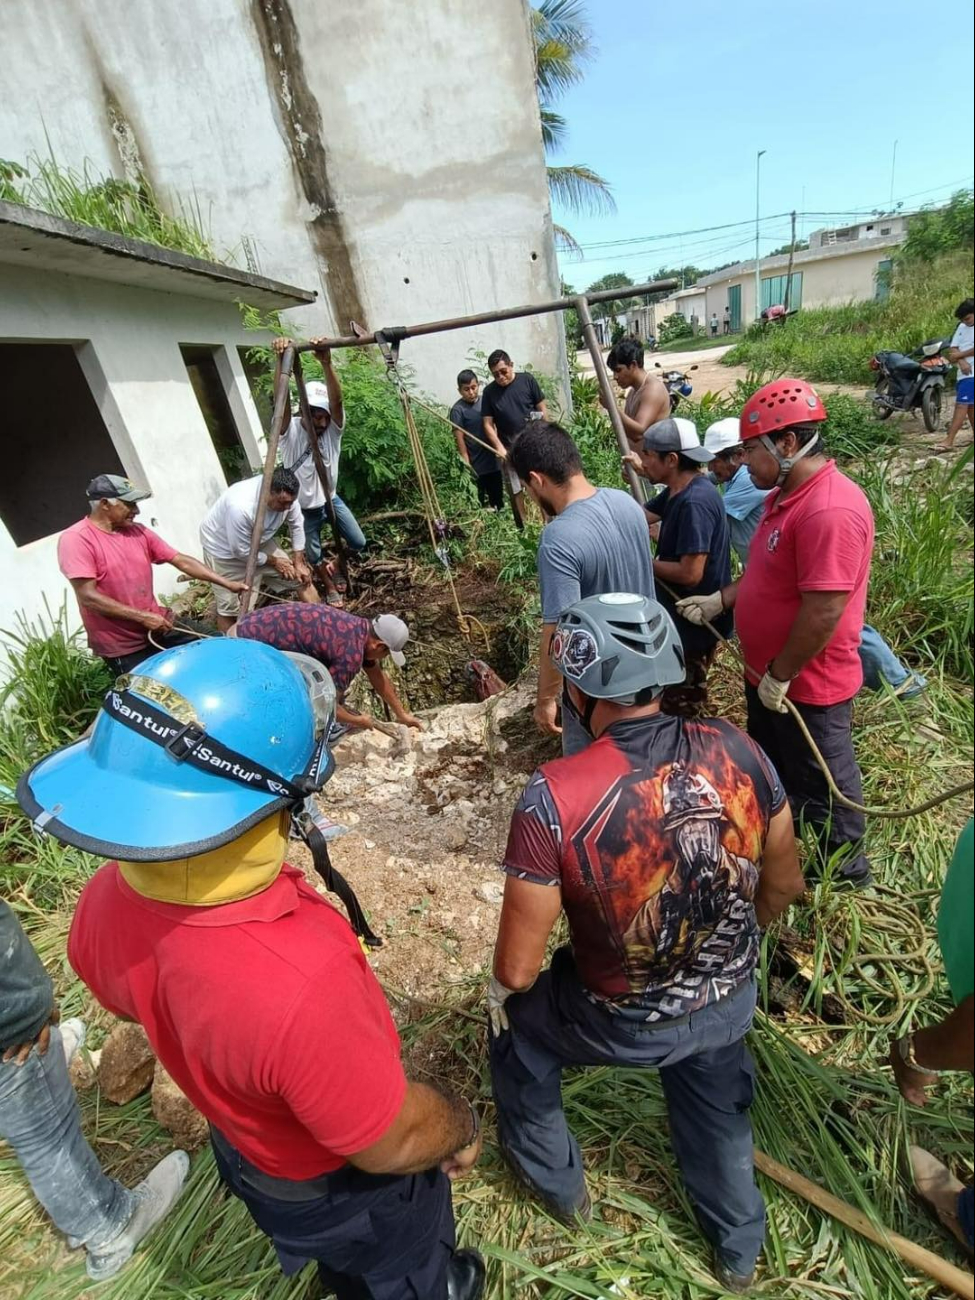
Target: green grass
<point>104,202</point>
<point>835,344</point>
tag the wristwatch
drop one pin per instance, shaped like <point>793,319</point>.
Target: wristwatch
<point>905,1050</point>
<point>475,1125</point>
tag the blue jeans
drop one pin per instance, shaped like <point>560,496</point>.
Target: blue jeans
<point>39,1117</point>
<point>707,1077</point>
<point>315,520</point>
<point>880,665</point>
<point>966,1214</point>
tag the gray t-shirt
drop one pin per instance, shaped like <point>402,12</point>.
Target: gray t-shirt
<point>594,546</point>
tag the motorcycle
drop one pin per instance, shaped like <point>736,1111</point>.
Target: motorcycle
<point>905,383</point>
<point>677,383</point>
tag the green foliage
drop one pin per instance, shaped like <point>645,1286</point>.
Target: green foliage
<point>674,327</point>
<point>789,248</point>
<point>615,280</point>
<point>52,690</point>
<point>105,203</point>
<point>687,275</point>
<point>935,231</point>
<point>921,585</point>
<point>835,344</point>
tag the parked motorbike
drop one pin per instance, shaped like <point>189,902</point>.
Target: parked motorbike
<point>909,383</point>
<point>677,383</point>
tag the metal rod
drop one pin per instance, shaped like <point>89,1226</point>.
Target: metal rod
<point>581,305</point>
<point>487,317</point>
<point>322,469</point>
<point>280,415</point>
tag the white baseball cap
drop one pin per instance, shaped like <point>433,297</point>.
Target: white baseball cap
<point>318,395</point>
<point>721,435</point>
<point>392,631</point>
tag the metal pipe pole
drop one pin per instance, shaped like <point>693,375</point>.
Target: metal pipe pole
<point>279,417</point>
<point>606,388</point>
<point>393,334</point>
<point>758,286</point>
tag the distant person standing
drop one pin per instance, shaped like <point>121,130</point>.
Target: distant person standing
<point>961,351</point>
<point>508,403</point>
<point>726,319</point>
<point>714,324</point>
<point>647,399</point>
<point>468,422</point>
<point>595,543</point>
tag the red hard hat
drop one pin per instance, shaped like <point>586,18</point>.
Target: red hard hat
<point>778,405</point>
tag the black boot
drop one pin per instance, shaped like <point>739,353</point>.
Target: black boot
<point>465,1276</point>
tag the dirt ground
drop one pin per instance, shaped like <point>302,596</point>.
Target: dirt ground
<point>427,816</point>
<point>709,377</point>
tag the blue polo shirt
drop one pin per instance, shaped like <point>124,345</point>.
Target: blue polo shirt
<point>743,504</point>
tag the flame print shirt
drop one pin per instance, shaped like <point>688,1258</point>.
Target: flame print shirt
<point>655,836</point>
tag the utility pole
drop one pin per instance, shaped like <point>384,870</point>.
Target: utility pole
<point>893,168</point>
<point>792,256</point>
<point>758,286</point>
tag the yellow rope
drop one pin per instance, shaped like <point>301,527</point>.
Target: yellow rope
<point>431,504</point>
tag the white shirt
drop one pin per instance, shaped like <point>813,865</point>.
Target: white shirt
<point>296,455</point>
<point>226,531</point>
<point>963,339</point>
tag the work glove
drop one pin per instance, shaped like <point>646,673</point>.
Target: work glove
<point>701,609</point>
<point>772,693</point>
<point>497,996</point>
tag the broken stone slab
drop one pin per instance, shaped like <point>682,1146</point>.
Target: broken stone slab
<point>126,1065</point>
<point>176,1113</point>
<point>490,892</point>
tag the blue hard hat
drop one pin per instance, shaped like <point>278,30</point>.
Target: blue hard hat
<point>193,748</point>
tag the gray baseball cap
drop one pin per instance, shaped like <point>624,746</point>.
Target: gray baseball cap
<point>668,435</point>
<point>113,487</point>
<point>392,631</point>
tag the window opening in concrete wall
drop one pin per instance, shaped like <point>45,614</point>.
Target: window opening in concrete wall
<point>53,438</point>
<point>201,366</point>
<point>256,372</point>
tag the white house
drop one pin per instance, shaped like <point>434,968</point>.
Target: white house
<point>116,357</point>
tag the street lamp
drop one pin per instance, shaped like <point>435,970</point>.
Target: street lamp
<point>758,284</point>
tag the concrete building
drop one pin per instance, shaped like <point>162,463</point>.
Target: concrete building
<point>116,357</point>
<point>840,265</point>
<point>388,155</point>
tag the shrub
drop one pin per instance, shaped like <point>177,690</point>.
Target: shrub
<point>674,327</point>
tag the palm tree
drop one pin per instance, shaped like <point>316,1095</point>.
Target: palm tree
<point>563,45</point>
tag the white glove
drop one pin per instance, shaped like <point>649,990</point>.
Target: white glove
<point>497,996</point>
<point>701,609</point>
<point>772,693</point>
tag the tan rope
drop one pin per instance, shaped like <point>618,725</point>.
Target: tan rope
<point>965,787</point>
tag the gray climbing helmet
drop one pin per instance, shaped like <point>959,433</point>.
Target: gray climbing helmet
<point>616,645</point>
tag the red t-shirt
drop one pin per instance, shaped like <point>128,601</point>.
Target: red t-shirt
<point>819,538</point>
<point>121,564</point>
<point>264,1011</point>
<point>655,836</point>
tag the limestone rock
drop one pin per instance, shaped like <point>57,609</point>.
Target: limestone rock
<point>176,1113</point>
<point>455,837</point>
<point>82,1069</point>
<point>126,1065</point>
<point>490,892</point>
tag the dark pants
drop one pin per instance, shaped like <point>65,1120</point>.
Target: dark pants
<point>838,829</point>
<point>490,489</point>
<point>689,698</point>
<point>374,1236</point>
<point>121,664</point>
<point>707,1077</point>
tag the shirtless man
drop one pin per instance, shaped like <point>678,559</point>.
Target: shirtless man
<point>647,400</point>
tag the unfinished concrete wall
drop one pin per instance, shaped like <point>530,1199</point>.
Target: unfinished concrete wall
<point>389,155</point>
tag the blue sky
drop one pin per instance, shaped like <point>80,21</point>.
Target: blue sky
<point>679,99</point>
